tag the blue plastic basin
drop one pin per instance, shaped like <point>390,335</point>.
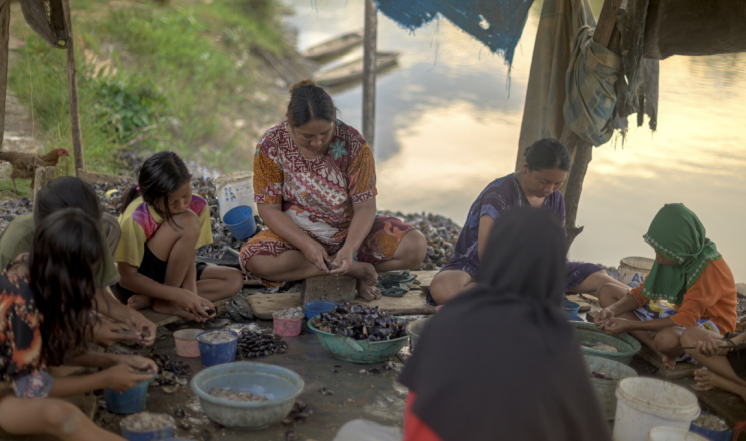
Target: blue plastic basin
<point>280,385</point>
<point>712,435</point>
<point>316,307</point>
<point>240,221</point>
<point>217,353</point>
<point>130,401</point>
<point>571,309</point>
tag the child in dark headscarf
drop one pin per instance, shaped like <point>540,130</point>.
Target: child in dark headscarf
<point>502,362</point>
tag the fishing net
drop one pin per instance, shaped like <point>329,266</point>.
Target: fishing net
<point>47,18</point>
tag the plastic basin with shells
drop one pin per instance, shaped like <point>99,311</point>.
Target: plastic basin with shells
<point>280,385</point>
<point>357,351</point>
<point>627,345</point>
<point>614,372</point>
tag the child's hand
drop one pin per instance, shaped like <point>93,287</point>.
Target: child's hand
<point>709,348</point>
<point>106,333</point>
<point>135,362</point>
<point>122,377</point>
<point>193,304</point>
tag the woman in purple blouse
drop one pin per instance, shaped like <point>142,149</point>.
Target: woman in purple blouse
<point>537,185</point>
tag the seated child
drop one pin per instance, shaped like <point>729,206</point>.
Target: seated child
<point>45,302</point>
<point>688,273</point>
<point>71,192</point>
<point>163,224</point>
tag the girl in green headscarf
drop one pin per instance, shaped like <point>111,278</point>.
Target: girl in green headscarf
<point>689,285</point>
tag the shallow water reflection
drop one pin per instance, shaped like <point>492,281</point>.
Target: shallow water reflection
<point>448,124</point>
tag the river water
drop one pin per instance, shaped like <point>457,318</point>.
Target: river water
<point>448,119</point>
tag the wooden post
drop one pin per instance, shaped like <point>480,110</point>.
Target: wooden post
<point>4,41</point>
<point>72,87</point>
<point>581,150</point>
<point>42,177</point>
<point>369,73</point>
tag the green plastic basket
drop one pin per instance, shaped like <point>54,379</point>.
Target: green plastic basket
<point>358,351</point>
<point>627,345</point>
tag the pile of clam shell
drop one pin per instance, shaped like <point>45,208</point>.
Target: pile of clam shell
<point>11,209</point>
<point>441,233</point>
<point>255,343</point>
<point>170,372</point>
<point>231,395</point>
<point>361,323</point>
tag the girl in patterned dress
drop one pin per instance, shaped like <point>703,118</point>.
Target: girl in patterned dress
<point>46,297</point>
<point>315,188</point>
<point>163,224</point>
<point>536,185</point>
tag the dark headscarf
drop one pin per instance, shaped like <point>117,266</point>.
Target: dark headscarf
<point>501,361</point>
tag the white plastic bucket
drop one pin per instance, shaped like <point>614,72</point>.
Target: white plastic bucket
<point>646,403</point>
<point>633,270</point>
<point>235,189</point>
<point>671,434</point>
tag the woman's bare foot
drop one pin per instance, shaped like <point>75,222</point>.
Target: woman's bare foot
<point>364,272</point>
<point>368,292</point>
<point>166,307</point>
<point>709,380</point>
<point>138,301</point>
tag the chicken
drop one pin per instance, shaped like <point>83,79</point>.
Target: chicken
<point>25,164</point>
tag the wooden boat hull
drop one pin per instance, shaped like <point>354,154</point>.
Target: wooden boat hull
<point>334,47</point>
<point>353,71</point>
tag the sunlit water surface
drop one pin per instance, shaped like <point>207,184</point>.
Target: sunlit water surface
<point>448,120</point>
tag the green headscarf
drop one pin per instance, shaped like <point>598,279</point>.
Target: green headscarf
<point>677,233</point>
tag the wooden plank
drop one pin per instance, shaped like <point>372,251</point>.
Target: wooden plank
<point>165,319</point>
<point>682,370</point>
<point>730,407</point>
<point>424,277</point>
<point>411,303</point>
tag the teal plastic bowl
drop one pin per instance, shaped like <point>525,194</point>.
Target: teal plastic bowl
<point>627,345</point>
<point>358,351</point>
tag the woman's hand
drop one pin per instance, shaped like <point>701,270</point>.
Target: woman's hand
<point>602,318</point>
<point>144,328</point>
<point>122,377</point>
<point>193,304</point>
<point>106,333</point>
<point>616,326</point>
<point>136,362</point>
<point>316,254</point>
<point>342,261</point>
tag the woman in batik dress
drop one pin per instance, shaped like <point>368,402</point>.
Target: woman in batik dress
<point>315,188</point>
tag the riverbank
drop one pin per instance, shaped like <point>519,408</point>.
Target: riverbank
<point>198,77</point>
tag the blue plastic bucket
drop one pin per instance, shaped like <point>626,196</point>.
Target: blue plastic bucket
<point>316,307</point>
<point>713,435</point>
<point>166,433</point>
<point>240,221</point>
<point>130,401</point>
<point>571,309</point>
<point>217,353</point>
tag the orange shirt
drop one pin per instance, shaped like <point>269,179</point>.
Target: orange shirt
<point>712,296</point>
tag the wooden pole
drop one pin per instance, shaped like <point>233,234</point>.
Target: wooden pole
<point>72,87</point>
<point>581,150</point>
<point>369,73</point>
<point>4,41</point>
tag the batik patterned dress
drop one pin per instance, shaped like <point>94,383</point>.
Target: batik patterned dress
<point>318,194</point>
<point>502,194</point>
<point>20,338</point>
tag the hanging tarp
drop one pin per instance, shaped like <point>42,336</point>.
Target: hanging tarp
<point>694,27</point>
<point>47,18</point>
<point>496,23</point>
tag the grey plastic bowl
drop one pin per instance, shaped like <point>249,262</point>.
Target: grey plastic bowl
<point>280,385</point>
<point>414,330</point>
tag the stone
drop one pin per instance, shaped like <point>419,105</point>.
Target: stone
<point>331,287</point>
